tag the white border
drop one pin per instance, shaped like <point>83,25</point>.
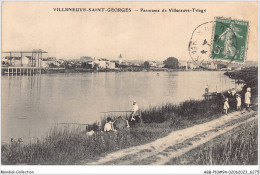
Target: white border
<point>167,169</point>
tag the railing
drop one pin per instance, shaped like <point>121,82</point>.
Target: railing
<point>21,70</point>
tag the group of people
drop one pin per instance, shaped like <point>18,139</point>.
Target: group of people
<point>121,123</point>
<point>233,100</point>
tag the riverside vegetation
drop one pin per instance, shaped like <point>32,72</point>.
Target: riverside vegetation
<point>73,146</point>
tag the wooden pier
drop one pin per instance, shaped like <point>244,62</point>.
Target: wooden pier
<point>21,70</point>
<point>30,66</point>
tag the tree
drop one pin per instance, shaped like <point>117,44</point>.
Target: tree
<point>51,65</point>
<point>84,65</point>
<point>146,64</point>
<point>117,64</point>
<point>171,63</point>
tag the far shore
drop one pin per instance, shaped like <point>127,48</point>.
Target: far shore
<point>84,70</point>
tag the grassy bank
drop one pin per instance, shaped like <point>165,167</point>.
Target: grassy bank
<point>71,146</point>
<point>237,147</point>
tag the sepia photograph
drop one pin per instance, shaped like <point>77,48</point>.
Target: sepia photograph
<point>129,83</point>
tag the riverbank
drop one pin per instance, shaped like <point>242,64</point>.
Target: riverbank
<point>74,146</point>
<point>24,71</point>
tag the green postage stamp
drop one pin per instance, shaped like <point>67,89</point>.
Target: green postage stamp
<point>229,40</point>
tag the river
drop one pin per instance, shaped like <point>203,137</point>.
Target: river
<point>32,104</point>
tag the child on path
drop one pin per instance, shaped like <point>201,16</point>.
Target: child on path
<point>238,98</point>
<point>226,106</point>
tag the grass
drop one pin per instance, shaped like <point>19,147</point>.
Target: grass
<point>188,111</point>
<point>71,146</point>
<point>237,147</point>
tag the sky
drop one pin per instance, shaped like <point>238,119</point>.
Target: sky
<point>136,35</point>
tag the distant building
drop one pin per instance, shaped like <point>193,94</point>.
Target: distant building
<point>112,65</point>
<point>152,63</point>
<point>14,61</point>
<point>136,64</point>
<point>182,64</point>
<point>209,65</point>
<point>125,63</point>
<point>221,66</point>
<point>46,62</point>
<point>191,65</point>
<point>104,63</point>
<point>27,61</point>
<point>90,64</point>
<point>61,61</point>
<point>212,65</point>
<point>120,59</point>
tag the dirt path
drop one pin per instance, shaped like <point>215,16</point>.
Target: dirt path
<point>177,143</point>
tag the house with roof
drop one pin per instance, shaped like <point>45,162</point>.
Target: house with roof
<point>112,64</point>
<point>16,61</point>
<point>103,63</point>
<point>46,62</point>
<point>152,63</point>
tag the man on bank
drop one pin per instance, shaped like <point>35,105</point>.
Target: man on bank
<point>109,125</point>
<point>134,111</point>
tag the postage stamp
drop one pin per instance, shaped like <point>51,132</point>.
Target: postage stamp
<point>229,40</point>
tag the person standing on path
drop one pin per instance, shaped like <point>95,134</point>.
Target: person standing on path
<point>238,98</point>
<point>248,97</point>
<point>226,106</point>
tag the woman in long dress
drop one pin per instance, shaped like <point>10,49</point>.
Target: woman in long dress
<point>248,97</point>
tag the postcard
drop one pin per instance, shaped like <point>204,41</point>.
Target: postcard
<point>129,83</point>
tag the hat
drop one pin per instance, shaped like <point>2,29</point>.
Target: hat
<point>134,101</point>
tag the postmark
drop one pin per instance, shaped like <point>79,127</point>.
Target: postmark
<point>222,41</point>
